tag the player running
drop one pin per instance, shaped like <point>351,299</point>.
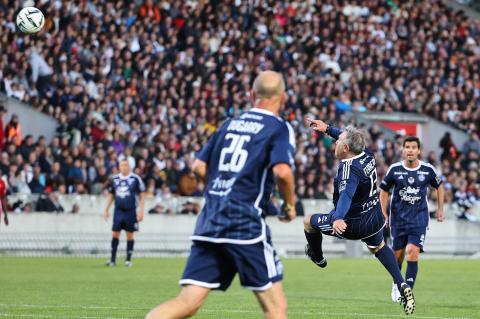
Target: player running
<point>357,214</point>
<point>408,182</point>
<point>240,164</point>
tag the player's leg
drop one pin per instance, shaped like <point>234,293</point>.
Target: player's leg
<point>130,243</point>
<point>273,301</point>
<point>114,247</point>
<point>399,243</point>
<point>414,247</point>
<point>385,255</point>
<point>261,271</point>
<point>313,226</point>
<point>185,305</point>
<point>131,226</point>
<point>207,268</point>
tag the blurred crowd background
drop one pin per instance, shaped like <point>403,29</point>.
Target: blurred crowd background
<point>152,80</point>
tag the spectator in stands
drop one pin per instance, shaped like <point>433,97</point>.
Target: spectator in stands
<point>2,129</point>
<point>472,145</point>
<point>160,78</point>
<point>13,131</point>
<point>3,202</point>
<point>465,202</point>
<point>49,203</point>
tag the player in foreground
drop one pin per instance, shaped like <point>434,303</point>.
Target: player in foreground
<point>357,214</point>
<point>408,182</point>
<point>239,164</point>
<point>125,187</point>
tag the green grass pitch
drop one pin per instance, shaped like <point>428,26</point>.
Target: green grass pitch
<point>347,288</point>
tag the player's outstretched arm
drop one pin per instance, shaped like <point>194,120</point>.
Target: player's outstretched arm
<point>322,127</point>
<point>285,181</point>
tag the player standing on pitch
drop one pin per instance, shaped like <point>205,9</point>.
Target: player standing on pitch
<point>408,182</point>
<point>357,214</point>
<point>125,187</point>
<point>240,164</point>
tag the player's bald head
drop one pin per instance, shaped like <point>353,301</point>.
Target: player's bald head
<point>268,84</point>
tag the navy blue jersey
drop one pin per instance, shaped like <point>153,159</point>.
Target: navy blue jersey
<point>240,157</point>
<point>409,190</point>
<point>355,186</point>
<point>125,189</point>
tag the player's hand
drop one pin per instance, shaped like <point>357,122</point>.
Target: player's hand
<point>106,215</point>
<point>317,125</point>
<point>440,215</point>
<point>287,213</point>
<point>139,216</point>
<point>339,227</point>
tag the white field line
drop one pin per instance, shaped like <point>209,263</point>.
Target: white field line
<point>207,310</point>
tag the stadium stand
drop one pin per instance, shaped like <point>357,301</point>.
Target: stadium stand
<point>152,81</point>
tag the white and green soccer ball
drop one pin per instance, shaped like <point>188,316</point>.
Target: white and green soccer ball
<point>30,20</point>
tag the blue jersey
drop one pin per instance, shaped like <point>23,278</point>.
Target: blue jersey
<point>355,185</point>
<point>125,189</point>
<point>240,157</point>
<point>409,190</point>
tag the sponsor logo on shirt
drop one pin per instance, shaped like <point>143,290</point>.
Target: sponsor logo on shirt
<point>222,187</point>
<point>410,194</point>
<point>122,191</point>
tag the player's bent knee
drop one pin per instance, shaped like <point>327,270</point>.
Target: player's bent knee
<point>306,224</point>
<point>413,252</point>
<point>375,249</point>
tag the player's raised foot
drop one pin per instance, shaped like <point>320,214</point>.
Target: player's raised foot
<point>110,263</point>
<point>128,263</point>
<point>407,300</point>
<point>319,261</point>
<point>395,293</point>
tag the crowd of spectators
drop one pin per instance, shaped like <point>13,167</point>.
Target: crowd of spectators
<point>151,80</point>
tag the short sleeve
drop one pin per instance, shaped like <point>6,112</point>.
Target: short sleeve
<point>388,181</point>
<point>110,187</point>
<point>283,146</point>
<point>436,178</point>
<point>141,185</point>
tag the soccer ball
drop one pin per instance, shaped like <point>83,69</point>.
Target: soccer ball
<point>30,20</point>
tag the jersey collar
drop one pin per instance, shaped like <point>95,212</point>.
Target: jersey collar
<point>124,177</point>
<point>263,111</point>
<point>411,169</point>
<point>352,158</point>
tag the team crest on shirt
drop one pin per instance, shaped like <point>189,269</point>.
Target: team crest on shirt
<point>421,178</point>
<point>411,180</point>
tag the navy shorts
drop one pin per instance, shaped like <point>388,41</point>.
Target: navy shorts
<point>125,221</point>
<point>367,227</point>
<point>401,237</point>
<point>214,265</point>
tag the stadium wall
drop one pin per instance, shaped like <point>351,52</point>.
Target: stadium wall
<point>33,122</point>
<point>87,234</point>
